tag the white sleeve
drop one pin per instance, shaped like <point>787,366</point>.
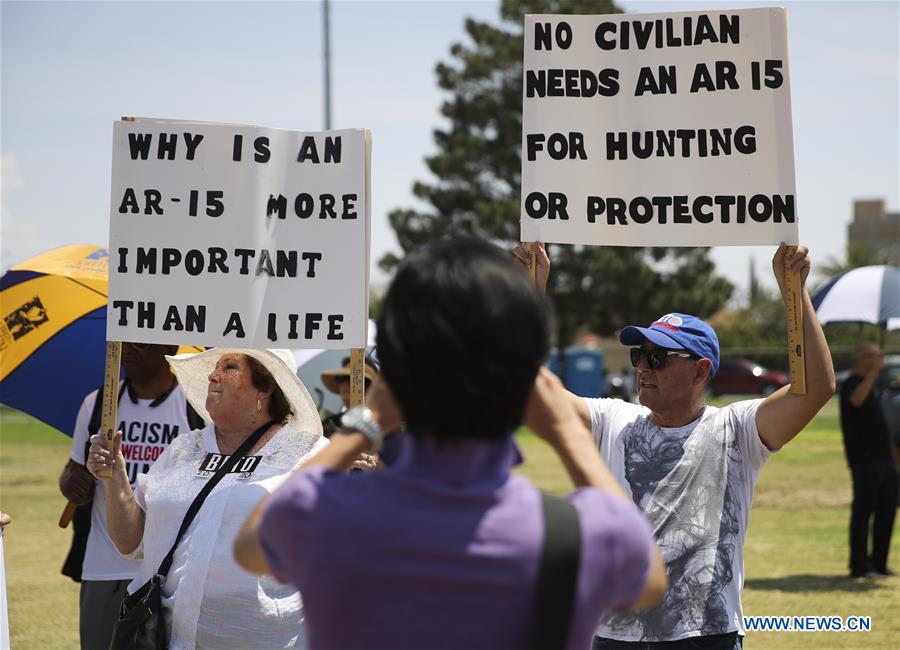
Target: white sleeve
<point>136,554</point>
<point>603,412</point>
<point>744,418</point>
<point>599,409</point>
<point>80,432</point>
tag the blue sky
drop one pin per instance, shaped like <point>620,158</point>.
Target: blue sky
<point>69,69</point>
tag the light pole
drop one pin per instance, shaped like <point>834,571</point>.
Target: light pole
<point>326,28</point>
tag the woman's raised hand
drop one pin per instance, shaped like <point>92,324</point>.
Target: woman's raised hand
<point>100,459</point>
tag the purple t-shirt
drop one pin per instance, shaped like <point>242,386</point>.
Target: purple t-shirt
<point>441,550</point>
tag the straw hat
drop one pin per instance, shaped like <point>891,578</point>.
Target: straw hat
<point>331,378</point>
<point>193,372</point>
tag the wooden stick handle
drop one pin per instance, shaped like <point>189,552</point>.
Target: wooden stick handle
<point>796,344</point>
<point>67,514</point>
<point>110,396</point>
<point>357,376</point>
<point>532,269</point>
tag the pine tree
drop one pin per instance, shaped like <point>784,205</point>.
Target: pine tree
<point>754,291</point>
<point>478,169</point>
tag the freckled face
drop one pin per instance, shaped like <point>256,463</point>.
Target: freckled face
<point>231,394</point>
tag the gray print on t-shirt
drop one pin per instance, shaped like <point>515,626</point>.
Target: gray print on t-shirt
<point>680,480</point>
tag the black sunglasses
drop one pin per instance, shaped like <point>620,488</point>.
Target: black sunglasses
<point>656,358</point>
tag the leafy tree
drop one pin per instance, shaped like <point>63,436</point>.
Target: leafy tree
<point>859,255</point>
<point>755,290</point>
<point>760,325</point>
<point>478,191</point>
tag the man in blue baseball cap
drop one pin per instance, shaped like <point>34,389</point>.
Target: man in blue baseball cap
<point>691,468</point>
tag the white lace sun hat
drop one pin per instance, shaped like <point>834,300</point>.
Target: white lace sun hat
<point>193,372</point>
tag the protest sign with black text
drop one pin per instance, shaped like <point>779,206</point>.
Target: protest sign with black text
<point>238,235</point>
<point>658,129</point>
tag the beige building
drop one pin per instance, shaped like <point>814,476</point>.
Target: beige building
<point>875,228</point>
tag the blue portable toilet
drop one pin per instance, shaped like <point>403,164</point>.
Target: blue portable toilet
<point>584,370</point>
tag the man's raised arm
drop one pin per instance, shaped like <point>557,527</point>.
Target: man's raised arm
<point>783,414</point>
<point>541,274</point>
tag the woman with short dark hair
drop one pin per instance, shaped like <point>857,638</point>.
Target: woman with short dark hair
<point>444,548</point>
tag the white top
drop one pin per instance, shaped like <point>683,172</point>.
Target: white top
<point>146,432</point>
<point>212,602</point>
<point>695,485</point>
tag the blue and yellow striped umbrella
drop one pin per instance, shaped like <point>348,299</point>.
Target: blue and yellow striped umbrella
<point>53,332</point>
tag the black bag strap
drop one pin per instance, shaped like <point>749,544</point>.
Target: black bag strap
<point>224,469</point>
<point>557,575</point>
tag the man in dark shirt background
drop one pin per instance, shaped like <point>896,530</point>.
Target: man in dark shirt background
<point>875,479</point>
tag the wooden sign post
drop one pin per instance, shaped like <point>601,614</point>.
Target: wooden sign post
<point>796,344</point>
<point>532,268</point>
<point>110,395</point>
<point>67,514</point>
<point>108,415</point>
<point>357,376</point>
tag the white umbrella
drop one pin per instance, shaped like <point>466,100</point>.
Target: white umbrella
<point>868,294</point>
<point>312,363</point>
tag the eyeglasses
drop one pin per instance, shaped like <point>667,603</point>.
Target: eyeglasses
<point>656,358</point>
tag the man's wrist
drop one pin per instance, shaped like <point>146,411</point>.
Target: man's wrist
<point>353,438</point>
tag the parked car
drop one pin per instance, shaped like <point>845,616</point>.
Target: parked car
<point>745,377</point>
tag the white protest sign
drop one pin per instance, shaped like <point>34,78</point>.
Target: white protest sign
<point>230,235</point>
<point>658,129</point>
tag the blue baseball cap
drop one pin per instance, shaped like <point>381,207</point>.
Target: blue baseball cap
<point>677,332</point>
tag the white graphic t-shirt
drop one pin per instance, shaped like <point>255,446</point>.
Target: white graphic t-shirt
<point>695,485</point>
<point>146,432</point>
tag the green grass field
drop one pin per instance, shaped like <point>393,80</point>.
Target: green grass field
<point>796,550</point>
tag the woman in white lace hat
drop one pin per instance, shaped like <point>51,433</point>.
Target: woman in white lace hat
<point>207,600</point>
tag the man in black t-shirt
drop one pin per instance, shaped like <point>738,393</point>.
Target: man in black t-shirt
<point>875,479</point>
